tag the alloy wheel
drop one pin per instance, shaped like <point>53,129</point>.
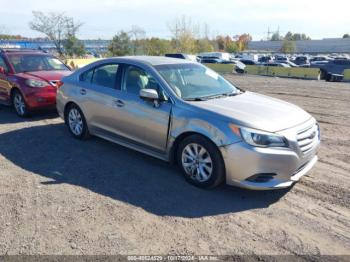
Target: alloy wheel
<point>19,104</point>
<point>197,162</point>
<point>75,122</point>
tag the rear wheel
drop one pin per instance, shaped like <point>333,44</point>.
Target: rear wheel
<point>19,104</point>
<point>201,161</point>
<point>76,122</point>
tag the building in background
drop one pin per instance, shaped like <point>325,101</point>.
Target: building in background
<point>327,45</point>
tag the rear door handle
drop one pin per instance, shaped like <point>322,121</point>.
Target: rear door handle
<point>119,103</point>
<point>83,92</point>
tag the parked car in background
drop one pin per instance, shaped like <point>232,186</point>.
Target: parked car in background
<point>320,59</point>
<point>214,60</point>
<point>183,56</point>
<point>219,55</point>
<point>281,59</point>
<point>332,68</point>
<point>28,79</point>
<point>246,57</point>
<point>265,59</point>
<point>302,61</point>
<point>276,64</point>
<point>183,112</point>
<point>238,66</point>
<point>249,62</point>
<point>291,64</point>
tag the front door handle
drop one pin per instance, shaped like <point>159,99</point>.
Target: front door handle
<point>119,103</point>
<point>83,91</point>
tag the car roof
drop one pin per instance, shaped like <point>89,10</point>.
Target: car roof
<point>22,51</point>
<point>152,60</point>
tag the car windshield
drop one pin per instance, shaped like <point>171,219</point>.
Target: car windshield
<point>194,81</point>
<point>31,62</point>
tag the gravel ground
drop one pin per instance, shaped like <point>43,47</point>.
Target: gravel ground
<point>63,196</point>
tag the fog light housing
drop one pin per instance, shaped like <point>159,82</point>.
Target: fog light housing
<point>261,177</point>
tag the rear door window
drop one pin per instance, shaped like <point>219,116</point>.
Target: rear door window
<point>87,76</point>
<point>105,75</point>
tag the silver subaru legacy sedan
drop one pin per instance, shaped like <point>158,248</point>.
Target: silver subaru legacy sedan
<point>185,113</point>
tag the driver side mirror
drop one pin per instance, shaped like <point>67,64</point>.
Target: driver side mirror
<point>2,70</point>
<point>149,94</point>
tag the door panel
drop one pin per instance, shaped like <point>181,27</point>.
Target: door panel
<point>141,121</point>
<point>137,119</point>
<point>96,93</point>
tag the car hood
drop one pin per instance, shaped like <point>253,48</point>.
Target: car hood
<point>46,75</point>
<point>257,111</point>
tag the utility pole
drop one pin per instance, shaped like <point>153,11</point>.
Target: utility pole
<point>268,34</point>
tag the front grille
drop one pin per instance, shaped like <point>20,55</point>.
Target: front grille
<point>308,138</point>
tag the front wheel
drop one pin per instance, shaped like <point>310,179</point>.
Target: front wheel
<point>19,104</point>
<point>201,162</point>
<point>76,122</point>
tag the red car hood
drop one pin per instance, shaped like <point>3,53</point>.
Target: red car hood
<point>46,75</point>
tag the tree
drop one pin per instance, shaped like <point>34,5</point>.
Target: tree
<point>157,46</point>
<point>220,41</point>
<point>184,35</point>
<point>242,42</point>
<point>136,34</point>
<point>289,36</point>
<point>120,45</point>
<point>296,37</point>
<point>73,47</point>
<point>231,47</point>
<point>204,45</point>
<point>276,37</point>
<point>346,36</point>
<point>56,26</point>
<point>288,47</point>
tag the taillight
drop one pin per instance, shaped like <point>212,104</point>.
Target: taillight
<point>59,84</point>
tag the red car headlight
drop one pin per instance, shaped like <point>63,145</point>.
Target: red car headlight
<point>36,83</point>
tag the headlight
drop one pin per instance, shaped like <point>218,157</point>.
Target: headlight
<point>36,83</point>
<point>259,138</point>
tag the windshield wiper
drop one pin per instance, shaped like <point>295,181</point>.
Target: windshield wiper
<point>195,99</point>
<point>232,94</point>
<point>219,96</point>
<point>204,98</point>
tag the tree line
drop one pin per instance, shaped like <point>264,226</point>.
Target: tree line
<point>186,37</point>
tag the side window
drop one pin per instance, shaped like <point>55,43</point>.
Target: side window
<point>105,75</point>
<point>136,79</point>
<point>3,64</point>
<point>87,76</point>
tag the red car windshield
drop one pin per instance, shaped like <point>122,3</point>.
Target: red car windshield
<point>32,62</point>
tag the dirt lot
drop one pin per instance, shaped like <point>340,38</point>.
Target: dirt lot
<point>63,196</point>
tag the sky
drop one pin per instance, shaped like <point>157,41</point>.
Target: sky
<point>104,18</point>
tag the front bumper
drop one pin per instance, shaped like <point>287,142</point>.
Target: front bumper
<point>282,166</point>
<point>41,99</point>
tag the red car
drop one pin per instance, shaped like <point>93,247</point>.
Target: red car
<point>29,78</point>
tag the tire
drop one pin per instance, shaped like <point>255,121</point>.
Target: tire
<point>329,77</point>
<point>205,169</point>
<point>19,104</point>
<point>76,122</point>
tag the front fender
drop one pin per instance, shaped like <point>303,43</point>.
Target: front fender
<point>214,128</point>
